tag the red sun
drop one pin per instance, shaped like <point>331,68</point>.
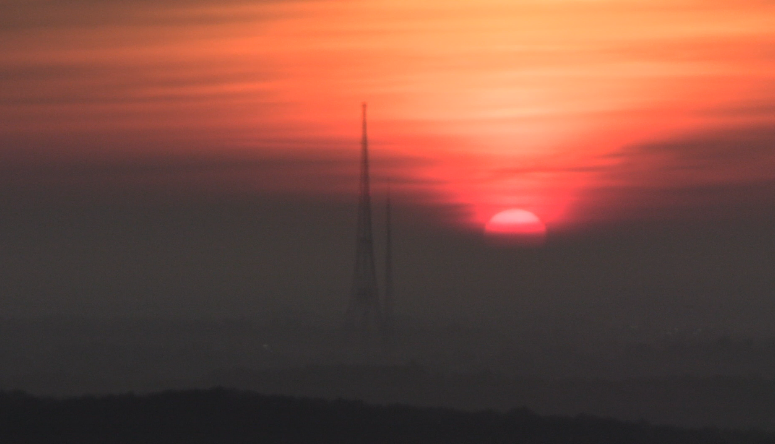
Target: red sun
<point>516,227</point>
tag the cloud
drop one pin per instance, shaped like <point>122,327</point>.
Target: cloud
<point>24,14</point>
<point>716,173</point>
<point>735,154</point>
<point>325,170</point>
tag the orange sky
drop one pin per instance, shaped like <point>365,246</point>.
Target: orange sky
<point>554,106</point>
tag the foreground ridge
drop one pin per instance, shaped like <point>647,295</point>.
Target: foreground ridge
<point>221,415</point>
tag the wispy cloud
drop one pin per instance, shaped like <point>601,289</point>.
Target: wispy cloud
<point>718,172</point>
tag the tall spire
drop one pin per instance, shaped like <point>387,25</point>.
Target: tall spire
<point>364,312</point>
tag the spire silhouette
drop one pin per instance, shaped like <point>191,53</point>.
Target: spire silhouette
<point>364,313</point>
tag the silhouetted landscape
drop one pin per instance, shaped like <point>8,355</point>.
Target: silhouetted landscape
<point>690,382</point>
<point>220,415</point>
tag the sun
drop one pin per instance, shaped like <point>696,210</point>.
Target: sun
<point>516,227</point>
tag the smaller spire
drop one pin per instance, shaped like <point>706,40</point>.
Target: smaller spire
<point>388,306</point>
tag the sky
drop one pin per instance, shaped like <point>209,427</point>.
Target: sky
<point>590,114</point>
<point>560,107</point>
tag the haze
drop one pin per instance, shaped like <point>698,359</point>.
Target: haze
<point>176,160</point>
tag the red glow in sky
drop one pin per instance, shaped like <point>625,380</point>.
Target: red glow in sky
<point>553,106</point>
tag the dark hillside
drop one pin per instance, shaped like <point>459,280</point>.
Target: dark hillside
<point>227,416</point>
